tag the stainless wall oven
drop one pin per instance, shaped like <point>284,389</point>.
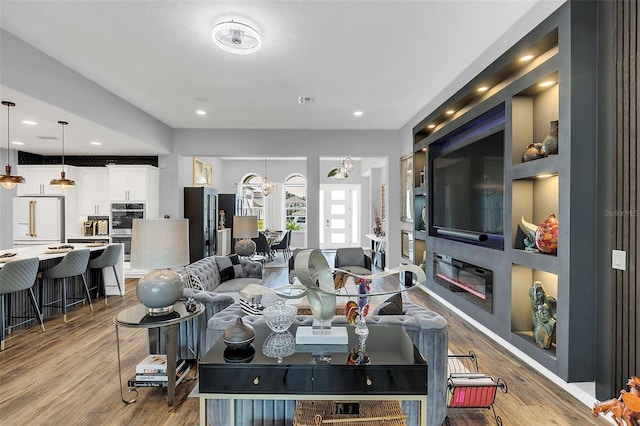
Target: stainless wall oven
<point>122,215</point>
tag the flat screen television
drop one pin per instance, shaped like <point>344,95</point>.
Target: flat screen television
<point>467,182</point>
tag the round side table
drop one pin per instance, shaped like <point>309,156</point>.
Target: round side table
<point>138,317</point>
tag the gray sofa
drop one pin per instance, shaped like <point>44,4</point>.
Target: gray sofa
<point>427,330</point>
<point>216,296</point>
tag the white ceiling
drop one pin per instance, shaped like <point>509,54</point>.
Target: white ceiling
<point>386,58</point>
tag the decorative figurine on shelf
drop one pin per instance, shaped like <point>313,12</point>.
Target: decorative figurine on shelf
<point>550,143</point>
<point>222,219</point>
<point>625,409</point>
<point>543,315</point>
<point>533,152</point>
<point>529,229</point>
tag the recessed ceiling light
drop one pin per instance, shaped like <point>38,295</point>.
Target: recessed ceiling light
<point>547,83</point>
<point>201,112</point>
<point>526,58</point>
<point>431,126</point>
<point>236,37</point>
<point>450,112</point>
<point>17,143</point>
<point>483,89</point>
<point>96,143</point>
<point>358,113</point>
<point>29,122</point>
<point>544,175</point>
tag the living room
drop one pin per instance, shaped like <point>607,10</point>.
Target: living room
<point>176,145</point>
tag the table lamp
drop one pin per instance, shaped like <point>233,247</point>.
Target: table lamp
<point>159,244</point>
<point>244,228</point>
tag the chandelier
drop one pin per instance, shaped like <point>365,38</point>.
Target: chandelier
<point>345,166</point>
<point>267,184</point>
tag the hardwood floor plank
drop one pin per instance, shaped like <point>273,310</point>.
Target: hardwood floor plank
<point>69,374</point>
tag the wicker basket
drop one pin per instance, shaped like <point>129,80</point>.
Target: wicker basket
<point>371,413</point>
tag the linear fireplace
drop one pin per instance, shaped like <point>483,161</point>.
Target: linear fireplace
<point>474,283</point>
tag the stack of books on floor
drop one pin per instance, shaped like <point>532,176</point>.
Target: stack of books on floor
<point>152,372</point>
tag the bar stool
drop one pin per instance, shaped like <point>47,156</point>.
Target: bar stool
<point>16,276</point>
<point>109,258</point>
<point>73,264</point>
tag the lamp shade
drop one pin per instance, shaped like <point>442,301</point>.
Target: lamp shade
<point>159,243</point>
<point>245,226</point>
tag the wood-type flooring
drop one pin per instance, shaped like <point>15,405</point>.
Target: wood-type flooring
<point>68,375</point>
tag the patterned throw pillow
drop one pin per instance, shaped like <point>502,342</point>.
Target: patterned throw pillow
<point>193,281</point>
<point>230,267</point>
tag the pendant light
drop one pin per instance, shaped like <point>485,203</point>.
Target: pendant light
<point>267,184</point>
<point>7,180</point>
<point>62,183</point>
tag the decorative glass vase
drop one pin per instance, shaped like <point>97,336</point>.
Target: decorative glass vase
<point>279,316</point>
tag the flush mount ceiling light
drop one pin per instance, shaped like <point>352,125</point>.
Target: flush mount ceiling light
<point>62,183</point>
<point>236,37</point>
<point>8,180</point>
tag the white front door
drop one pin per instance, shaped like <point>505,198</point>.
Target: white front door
<point>339,216</point>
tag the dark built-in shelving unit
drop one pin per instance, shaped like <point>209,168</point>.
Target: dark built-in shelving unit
<point>564,49</point>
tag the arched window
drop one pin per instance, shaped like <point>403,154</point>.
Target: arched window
<point>250,192</point>
<point>295,186</point>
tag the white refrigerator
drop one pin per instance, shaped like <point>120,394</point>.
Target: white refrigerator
<point>38,220</point>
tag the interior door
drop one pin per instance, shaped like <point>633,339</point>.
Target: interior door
<point>339,216</point>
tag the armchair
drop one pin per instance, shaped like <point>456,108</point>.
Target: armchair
<point>353,259</point>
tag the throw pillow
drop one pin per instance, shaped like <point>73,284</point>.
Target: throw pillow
<point>193,281</point>
<point>230,267</point>
<point>391,306</point>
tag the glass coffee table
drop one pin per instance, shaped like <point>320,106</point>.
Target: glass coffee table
<point>138,317</point>
<point>396,370</point>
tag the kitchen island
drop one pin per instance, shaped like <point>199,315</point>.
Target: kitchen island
<point>50,257</point>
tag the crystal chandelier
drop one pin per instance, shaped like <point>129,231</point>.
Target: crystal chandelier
<point>267,184</point>
<point>341,172</point>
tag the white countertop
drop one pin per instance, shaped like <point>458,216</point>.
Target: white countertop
<point>25,252</point>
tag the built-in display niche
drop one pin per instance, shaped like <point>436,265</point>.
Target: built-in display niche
<point>534,200</point>
<point>471,282</point>
<point>535,112</point>
<point>529,312</point>
<point>466,182</point>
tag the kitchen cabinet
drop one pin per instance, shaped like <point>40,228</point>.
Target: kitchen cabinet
<point>38,177</point>
<point>135,184</point>
<point>94,191</point>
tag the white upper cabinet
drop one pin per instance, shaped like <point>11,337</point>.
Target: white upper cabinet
<point>38,178</point>
<point>94,191</point>
<point>135,184</point>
